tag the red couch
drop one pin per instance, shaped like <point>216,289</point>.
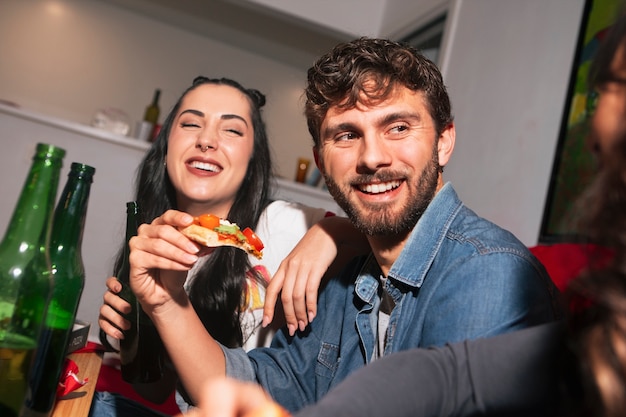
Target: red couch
<point>564,261</point>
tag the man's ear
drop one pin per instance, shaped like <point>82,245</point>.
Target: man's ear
<point>445,146</point>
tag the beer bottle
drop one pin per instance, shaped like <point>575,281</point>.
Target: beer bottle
<point>141,349</point>
<point>151,116</point>
<point>68,280</point>
<point>25,281</point>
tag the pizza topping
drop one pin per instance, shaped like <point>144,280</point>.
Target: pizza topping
<point>209,221</point>
<point>253,239</point>
<point>229,231</point>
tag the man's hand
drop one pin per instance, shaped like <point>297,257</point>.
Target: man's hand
<point>231,398</point>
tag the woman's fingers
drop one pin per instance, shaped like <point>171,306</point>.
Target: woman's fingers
<point>296,281</point>
<point>305,283</point>
<point>271,296</point>
<point>160,245</point>
<point>160,257</point>
<point>113,284</point>
<point>110,318</point>
<point>112,322</point>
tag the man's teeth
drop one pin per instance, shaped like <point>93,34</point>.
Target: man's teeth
<point>380,188</point>
<point>205,166</point>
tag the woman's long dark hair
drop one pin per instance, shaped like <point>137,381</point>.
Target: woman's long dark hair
<point>597,298</point>
<point>218,288</point>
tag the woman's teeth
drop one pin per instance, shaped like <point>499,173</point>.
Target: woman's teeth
<point>205,166</point>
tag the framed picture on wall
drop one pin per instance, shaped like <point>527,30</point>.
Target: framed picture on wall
<point>574,165</point>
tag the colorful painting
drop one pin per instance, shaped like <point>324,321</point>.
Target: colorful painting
<point>574,165</point>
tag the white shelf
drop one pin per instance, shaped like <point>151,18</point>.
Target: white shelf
<point>74,127</point>
<point>286,190</point>
<point>306,194</point>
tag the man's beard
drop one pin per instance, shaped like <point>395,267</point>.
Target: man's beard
<point>381,219</point>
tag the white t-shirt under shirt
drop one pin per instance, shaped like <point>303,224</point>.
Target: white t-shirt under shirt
<point>281,226</point>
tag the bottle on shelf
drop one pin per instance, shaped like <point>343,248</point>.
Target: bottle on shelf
<point>152,115</point>
<point>302,169</point>
<point>25,275</point>
<point>141,350</point>
<point>68,280</point>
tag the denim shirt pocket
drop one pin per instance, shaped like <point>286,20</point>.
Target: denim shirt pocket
<point>327,360</point>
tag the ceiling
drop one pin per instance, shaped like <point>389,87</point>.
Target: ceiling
<point>294,32</point>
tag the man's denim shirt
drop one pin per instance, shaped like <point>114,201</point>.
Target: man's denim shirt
<point>458,277</point>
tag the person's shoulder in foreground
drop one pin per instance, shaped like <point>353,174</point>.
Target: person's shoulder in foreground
<point>506,375</point>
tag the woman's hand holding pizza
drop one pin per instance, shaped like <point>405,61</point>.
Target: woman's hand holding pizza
<point>160,257</point>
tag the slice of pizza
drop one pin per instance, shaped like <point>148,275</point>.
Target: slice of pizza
<point>212,231</point>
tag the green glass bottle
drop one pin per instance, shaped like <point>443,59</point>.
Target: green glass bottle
<point>128,345</point>
<point>25,275</point>
<point>68,282</point>
<point>141,349</point>
<point>152,111</point>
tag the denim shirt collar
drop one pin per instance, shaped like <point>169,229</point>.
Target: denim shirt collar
<point>426,238</point>
<point>419,251</point>
<point>366,285</point>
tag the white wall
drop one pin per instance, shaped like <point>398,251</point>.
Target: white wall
<point>507,65</point>
<point>67,58</point>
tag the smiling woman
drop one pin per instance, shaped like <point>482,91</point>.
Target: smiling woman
<point>211,157</point>
<point>210,139</point>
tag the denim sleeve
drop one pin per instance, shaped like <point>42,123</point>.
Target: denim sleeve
<point>485,295</point>
<point>298,370</point>
<point>288,370</point>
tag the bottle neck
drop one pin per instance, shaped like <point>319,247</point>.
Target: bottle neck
<point>132,224</point>
<point>132,220</point>
<point>155,98</point>
<point>70,214</point>
<point>32,216</point>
